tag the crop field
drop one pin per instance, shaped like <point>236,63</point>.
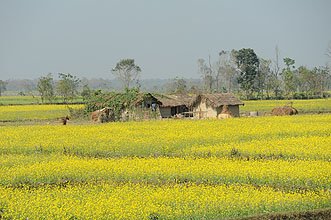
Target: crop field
<point>308,105</point>
<point>168,169</point>
<point>32,112</point>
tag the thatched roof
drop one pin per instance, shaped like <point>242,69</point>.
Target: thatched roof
<point>143,96</point>
<point>175,100</point>
<point>217,100</point>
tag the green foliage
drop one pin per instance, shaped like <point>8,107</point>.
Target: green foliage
<point>288,76</point>
<point>46,88</point>
<point>117,102</point>
<point>67,86</point>
<point>248,63</point>
<point>86,92</point>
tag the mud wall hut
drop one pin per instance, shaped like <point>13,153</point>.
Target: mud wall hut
<point>210,105</point>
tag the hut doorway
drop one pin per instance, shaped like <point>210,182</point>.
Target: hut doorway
<point>173,111</point>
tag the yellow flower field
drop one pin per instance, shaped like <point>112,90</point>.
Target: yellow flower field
<point>301,105</point>
<point>168,169</point>
<point>143,201</point>
<point>30,112</point>
<point>304,136</point>
<point>55,169</point>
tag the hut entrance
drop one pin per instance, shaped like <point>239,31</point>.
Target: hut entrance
<point>173,111</point>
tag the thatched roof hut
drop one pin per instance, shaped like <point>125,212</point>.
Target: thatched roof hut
<point>175,100</point>
<point>217,100</point>
<point>145,98</point>
<point>210,105</point>
<point>172,105</point>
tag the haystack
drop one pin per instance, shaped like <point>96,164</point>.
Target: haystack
<point>101,115</point>
<point>284,110</point>
<point>226,113</point>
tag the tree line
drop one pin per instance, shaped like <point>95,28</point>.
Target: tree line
<point>242,71</point>
<point>236,71</point>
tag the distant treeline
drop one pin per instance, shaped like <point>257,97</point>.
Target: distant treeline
<point>237,71</point>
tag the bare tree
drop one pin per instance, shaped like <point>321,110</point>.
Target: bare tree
<point>262,80</point>
<point>226,68</point>
<point>328,52</point>
<point>127,71</point>
<point>276,83</point>
<point>206,74</point>
<point>3,85</point>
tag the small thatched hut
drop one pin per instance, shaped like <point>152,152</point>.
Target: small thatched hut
<point>211,105</point>
<point>172,105</point>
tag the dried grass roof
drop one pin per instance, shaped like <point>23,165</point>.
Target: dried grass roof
<point>217,100</point>
<point>143,96</point>
<point>175,100</point>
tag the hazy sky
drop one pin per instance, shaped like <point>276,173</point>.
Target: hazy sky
<point>166,38</point>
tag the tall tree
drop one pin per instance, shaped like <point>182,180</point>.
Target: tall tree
<point>67,86</point>
<point>264,73</point>
<point>226,70</point>
<point>3,85</point>
<point>323,79</point>
<point>247,63</point>
<point>274,81</point>
<point>328,52</point>
<point>127,71</point>
<point>305,80</point>
<point>45,88</point>
<point>289,76</point>
<point>206,73</point>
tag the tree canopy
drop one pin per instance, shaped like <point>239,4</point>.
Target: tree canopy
<point>45,88</point>
<point>248,64</point>
<point>127,71</point>
<point>67,86</point>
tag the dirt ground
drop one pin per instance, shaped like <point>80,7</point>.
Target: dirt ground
<point>44,122</point>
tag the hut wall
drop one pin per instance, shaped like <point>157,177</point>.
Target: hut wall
<point>165,112</point>
<point>202,110</point>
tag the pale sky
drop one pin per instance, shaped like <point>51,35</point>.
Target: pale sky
<point>166,38</point>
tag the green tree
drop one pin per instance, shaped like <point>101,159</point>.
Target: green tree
<point>67,86</point>
<point>127,71</point>
<point>306,80</point>
<point>3,86</point>
<point>289,76</point>
<point>247,63</point>
<point>45,88</point>
<point>86,92</point>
